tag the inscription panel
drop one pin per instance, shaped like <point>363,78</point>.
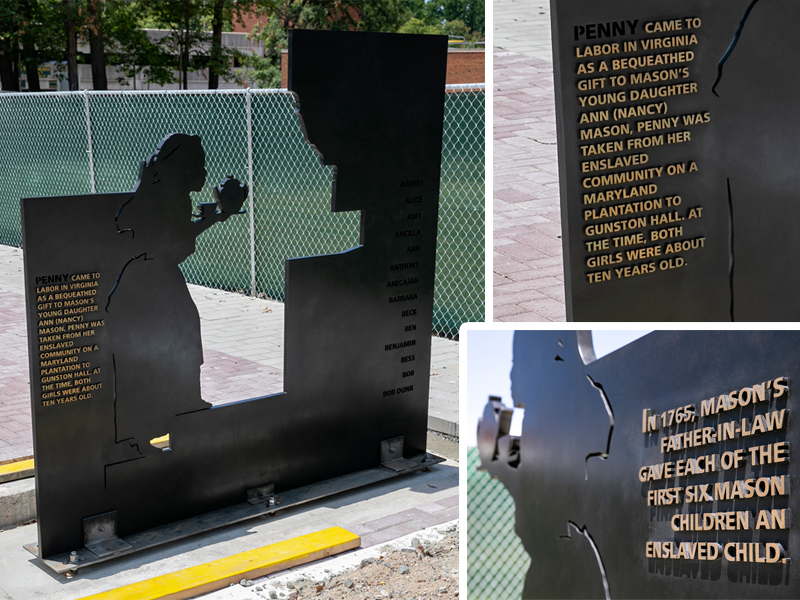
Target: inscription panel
<point>662,470</point>
<point>666,152</point>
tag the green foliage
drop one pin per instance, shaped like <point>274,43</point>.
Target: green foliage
<point>466,18</point>
<point>380,15</point>
<point>414,25</point>
<point>32,31</point>
<point>457,27</point>
<point>186,38</point>
<point>45,24</point>
<point>259,72</point>
<point>430,12</point>
<point>463,18</point>
<point>129,47</point>
<point>471,12</point>
<point>446,17</point>
<point>34,27</point>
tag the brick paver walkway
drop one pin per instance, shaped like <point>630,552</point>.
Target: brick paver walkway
<point>523,26</point>
<point>15,400</point>
<point>242,346</point>
<point>379,531</point>
<point>528,268</point>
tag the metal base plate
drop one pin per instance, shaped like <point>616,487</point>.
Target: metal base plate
<point>71,562</point>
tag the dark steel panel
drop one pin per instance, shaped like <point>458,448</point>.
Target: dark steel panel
<point>373,103</point>
<point>110,547</point>
<point>581,510</point>
<point>746,180</point>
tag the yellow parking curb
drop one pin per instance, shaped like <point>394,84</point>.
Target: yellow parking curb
<point>215,575</point>
<point>16,470</point>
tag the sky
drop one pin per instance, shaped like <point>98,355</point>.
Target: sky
<point>489,368</point>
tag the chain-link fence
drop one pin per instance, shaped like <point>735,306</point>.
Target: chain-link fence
<point>58,144</point>
<point>496,561</point>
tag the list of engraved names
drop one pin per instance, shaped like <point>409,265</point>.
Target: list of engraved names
<point>403,284</point>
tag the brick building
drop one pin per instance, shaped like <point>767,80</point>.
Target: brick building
<point>463,66</point>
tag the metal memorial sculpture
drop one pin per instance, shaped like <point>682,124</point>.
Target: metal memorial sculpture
<point>662,470</point>
<point>677,129</point>
<point>124,444</point>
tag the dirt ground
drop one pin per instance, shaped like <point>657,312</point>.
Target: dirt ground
<point>423,570</point>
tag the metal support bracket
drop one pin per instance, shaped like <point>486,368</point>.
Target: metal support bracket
<point>392,455</point>
<point>100,531</point>
<point>263,495</point>
<point>100,535</point>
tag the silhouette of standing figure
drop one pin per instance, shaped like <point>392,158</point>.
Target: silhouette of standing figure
<point>158,349</point>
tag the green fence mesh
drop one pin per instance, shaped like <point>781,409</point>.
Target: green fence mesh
<point>57,144</point>
<point>496,561</point>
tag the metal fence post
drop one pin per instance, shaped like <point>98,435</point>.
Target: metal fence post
<point>89,138</point>
<point>249,103</point>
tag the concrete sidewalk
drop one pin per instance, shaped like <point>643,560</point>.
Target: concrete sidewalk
<point>243,348</point>
<point>378,513</point>
<point>242,345</point>
<point>528,266</point>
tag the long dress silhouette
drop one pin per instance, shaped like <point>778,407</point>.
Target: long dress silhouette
<point>158,350</point>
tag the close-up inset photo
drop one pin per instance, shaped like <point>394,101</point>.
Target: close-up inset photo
<point>642,166</point>
<point>630,464</point>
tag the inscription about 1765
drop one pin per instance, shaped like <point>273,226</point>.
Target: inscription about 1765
<point>691,441</point>
<point>661,470</point>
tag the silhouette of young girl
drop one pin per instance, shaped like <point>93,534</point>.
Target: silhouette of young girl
<point>155,324</point>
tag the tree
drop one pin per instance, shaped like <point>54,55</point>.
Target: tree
<point>129,48</point>
<point>462,18</point>
<point>215,64</point>
<point>183,19</point>
<point>223,12</point>
<point>429,12</point>
<point>94,25</point>
<point>471,12</point>
<point>30,56</point>
<point>341,15</point>
<point>414,25</point>
<point>33,32</point>
<point>9,45</point>
<point>71,30</point>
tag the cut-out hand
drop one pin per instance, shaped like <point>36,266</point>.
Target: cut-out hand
<point>230,196</point>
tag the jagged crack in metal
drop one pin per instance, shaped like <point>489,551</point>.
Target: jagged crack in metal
<point>734,41</point>
<point>731,261</point>
<point>119,277</point>
<point>585,533</point>
<point>116,219</point>
<point>610,411</point>
<point>166,156</point>
<point>131,441</point>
